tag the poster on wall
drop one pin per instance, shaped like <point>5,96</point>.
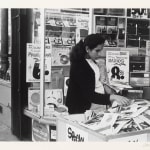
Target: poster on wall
<point>117,64</point>
<point>33,63</point>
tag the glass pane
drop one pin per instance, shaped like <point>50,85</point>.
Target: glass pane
<point>64,30</point>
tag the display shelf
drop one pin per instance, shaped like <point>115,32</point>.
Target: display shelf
<point>73,26</point>
<point>47,120</point>
<point>131,21</point>
<point>113,29</point>
<point>137,18</point>
<point>138,29</point>
<point>59,31</point>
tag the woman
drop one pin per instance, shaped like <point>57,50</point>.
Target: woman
<point>85,87</point>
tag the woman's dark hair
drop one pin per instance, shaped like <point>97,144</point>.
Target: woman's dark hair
<point>78,52</point>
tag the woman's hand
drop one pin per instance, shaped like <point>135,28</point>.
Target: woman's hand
<point>121,100</point>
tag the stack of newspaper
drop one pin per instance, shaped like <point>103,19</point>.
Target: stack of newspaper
<point>120,119</point>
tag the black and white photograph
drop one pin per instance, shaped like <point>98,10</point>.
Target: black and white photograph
<point>75,74</point>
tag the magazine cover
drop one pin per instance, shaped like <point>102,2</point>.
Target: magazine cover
<point>117,64</point>
<point>53,96</point>
<point>34,100</point>
<point>60,56</point>
<point>33,63</point>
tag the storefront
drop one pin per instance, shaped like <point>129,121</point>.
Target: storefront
<point>41,42</point>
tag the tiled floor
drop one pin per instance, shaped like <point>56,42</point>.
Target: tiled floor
<point>5,134</point>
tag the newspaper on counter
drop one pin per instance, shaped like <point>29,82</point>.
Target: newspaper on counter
<point>119,119</point>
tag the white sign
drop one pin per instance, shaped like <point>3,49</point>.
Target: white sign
<point>33,63</point>
<point>117,64</point>
<point>134,138</point>
<point>74,134</point>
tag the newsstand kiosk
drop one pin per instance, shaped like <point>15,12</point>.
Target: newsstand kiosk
<point>41,42</point>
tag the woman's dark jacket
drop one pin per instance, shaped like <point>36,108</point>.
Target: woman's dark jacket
<point>81,90</point>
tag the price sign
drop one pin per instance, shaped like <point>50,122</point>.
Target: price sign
<point>117,64</point>
<point>74,134</point>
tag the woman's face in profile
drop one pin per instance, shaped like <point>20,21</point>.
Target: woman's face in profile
<point>97,52</point>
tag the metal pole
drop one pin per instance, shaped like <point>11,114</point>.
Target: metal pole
<point>42,62</point>
<point>91,16</point>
